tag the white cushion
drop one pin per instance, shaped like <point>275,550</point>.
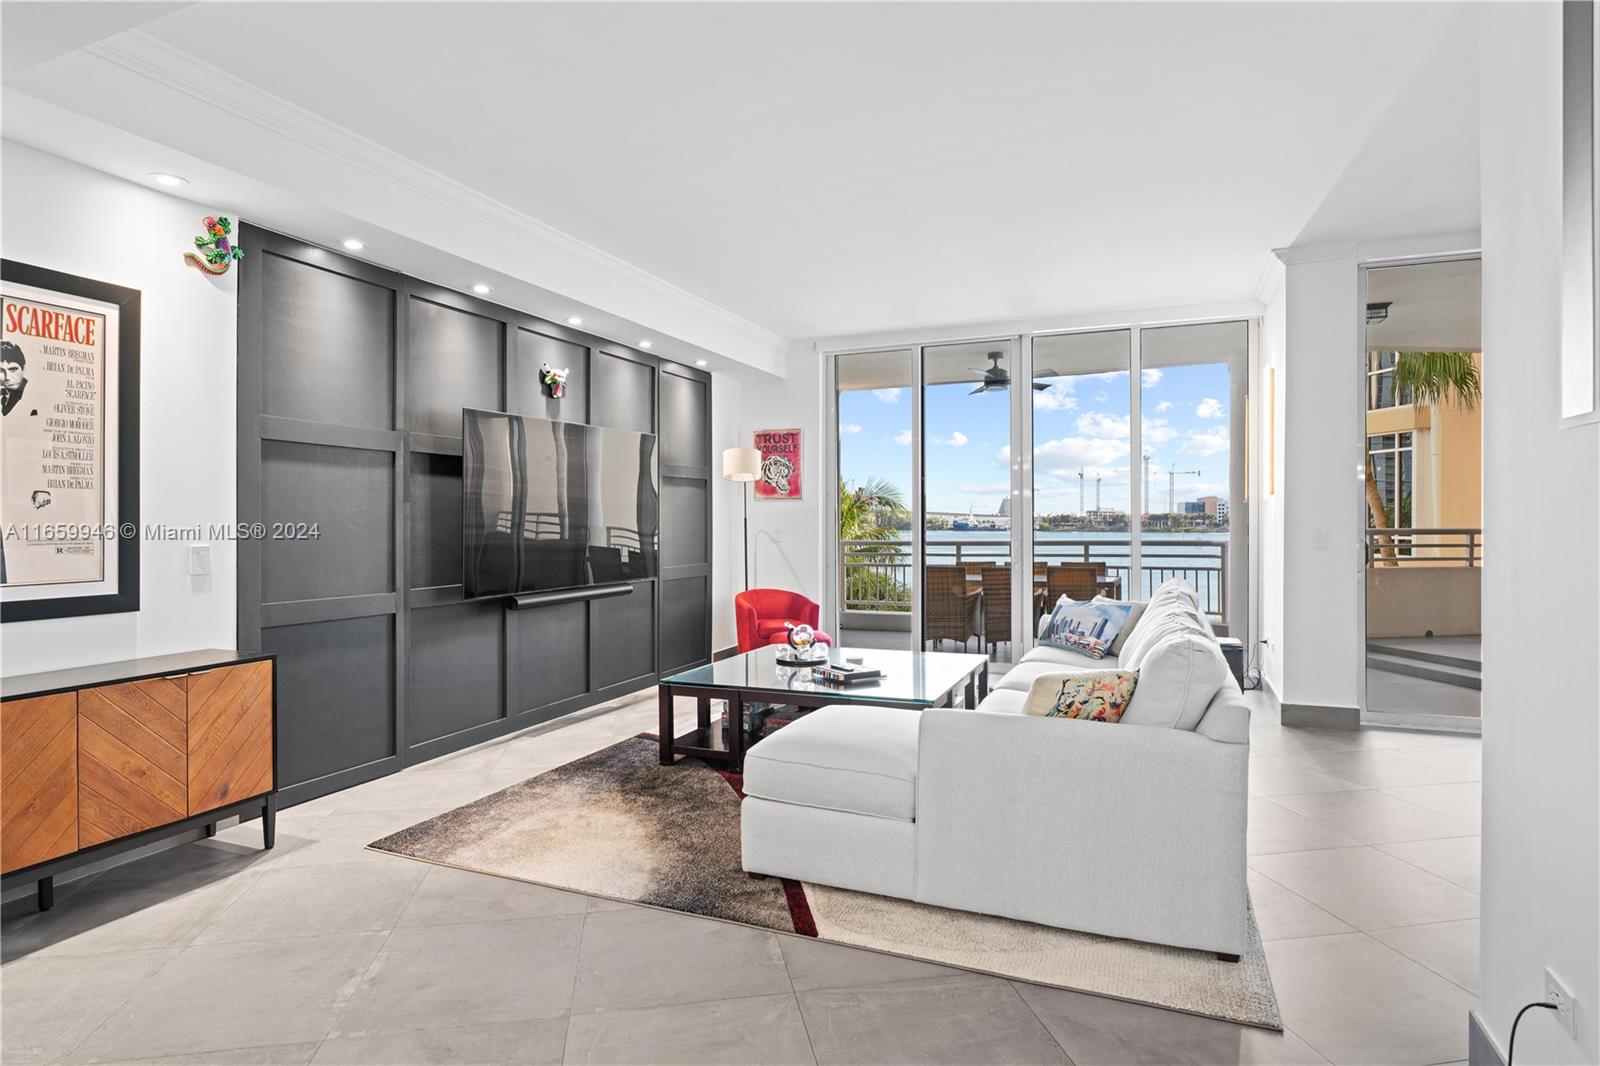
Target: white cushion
<point>1068,658</point>
<point>859,759</point>
<point>1177,680</point>
<point>1169,618</point>
<point>1004,701</point>
<point>1021,677</point>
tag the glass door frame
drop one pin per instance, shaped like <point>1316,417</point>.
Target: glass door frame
<point>1242,368</point>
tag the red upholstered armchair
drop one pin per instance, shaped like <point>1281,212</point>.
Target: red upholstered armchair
<point>761,613</point>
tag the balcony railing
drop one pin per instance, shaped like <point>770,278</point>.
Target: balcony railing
<point>1425,547</point>
<point>876,574</point>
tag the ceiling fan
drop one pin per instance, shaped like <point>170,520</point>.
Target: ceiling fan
<point>997,377</point>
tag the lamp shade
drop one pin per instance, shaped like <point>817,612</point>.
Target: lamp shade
<point>741,464</point>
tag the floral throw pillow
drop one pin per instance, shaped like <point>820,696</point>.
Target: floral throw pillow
<point>1088,626</point>
<point>1098,695</point>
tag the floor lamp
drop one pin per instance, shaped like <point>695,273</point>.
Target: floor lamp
<point>743,465</point>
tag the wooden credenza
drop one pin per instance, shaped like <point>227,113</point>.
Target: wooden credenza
<point>100,759</point>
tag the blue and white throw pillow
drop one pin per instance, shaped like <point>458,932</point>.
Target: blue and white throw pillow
<point>1088,626</point>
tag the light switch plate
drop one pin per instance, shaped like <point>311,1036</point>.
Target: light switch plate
<point>1319,539</point>
<point>199,560</point>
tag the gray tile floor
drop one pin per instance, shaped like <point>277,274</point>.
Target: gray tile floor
<point>1364,871</point>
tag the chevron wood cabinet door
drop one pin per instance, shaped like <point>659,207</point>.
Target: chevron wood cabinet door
<point>133,762</point>
<point>230,735</point>
<point>38,779</point>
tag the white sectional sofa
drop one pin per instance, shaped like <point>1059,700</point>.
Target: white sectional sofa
<point>1134,829</point>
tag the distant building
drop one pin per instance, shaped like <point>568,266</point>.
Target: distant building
<point>1215,506</point>
<point>1193,507</point>
<point>1005,507</point>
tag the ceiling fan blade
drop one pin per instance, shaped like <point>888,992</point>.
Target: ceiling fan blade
<point>1040,386</point>
<point>981,388</point>
<point>985,371</point>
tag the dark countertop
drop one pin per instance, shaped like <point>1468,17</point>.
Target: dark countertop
<point>43,684</point>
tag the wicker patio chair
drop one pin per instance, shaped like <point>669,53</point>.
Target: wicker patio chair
<point>996,606</point>
<point>1076,580</point>
<point>950,610</point>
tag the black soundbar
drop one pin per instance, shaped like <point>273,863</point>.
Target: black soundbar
<point>543,599</point>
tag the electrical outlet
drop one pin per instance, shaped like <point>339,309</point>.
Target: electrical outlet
<point>199,560</point>
<point>1555,991</point>
<point>1319,539</point>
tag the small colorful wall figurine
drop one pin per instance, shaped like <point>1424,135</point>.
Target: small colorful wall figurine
<point>554,380</point>
<point>217,252</point>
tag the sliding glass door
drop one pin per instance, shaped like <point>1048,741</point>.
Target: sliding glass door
<point>967,497</point>
<point>1083,492</point>
<point>965,507</point>
<point>874,552</point>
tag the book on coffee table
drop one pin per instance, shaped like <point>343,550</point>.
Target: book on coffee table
<point>845,674</point>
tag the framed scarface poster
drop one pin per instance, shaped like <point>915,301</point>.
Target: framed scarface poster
<point>69,445</point>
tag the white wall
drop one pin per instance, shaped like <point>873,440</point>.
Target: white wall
<point>1541,635</point>
<point>1322,447</point>
<point>1270,489</point>
<point>69,218</point>
<point>786,542</point>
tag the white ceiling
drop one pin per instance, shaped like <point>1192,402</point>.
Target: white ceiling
<point>839,168</point>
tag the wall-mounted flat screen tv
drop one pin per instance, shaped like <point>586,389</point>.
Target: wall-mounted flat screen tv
<point>555,505</point>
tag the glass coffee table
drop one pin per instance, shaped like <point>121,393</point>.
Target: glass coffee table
<point>913,679</point>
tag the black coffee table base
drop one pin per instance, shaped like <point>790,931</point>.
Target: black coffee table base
<point>707,740</point>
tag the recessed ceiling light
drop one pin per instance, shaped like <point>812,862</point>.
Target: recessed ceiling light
<point>699,362</point>
<point>644,344</point>
<point>171,181</point>
<point>481,289</point>
<point>574,320</point>
<point>352,245</point>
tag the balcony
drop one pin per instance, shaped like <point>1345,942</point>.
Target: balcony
<point>876,575</point>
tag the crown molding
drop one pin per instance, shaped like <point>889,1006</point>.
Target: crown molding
<point>146,57</point>
<point>1296,254</point>
<point>1270,279</point>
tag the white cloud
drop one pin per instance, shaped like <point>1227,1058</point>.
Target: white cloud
<point>1151,378</point>
<point>850,427</point>
<point>1205,442</point>
<point>1163,406</point>
<point>1102,396</point>
<point>1156,431</point>
<point>888,395</point>
<point>955,440</point>
<point>1064,455</point>
<point>903,438</point>
<point>1055,399</point>
<point>1102,424</point>
<point>1209,408</point>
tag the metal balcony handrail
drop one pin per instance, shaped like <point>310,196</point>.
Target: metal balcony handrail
<point>1457,544</point>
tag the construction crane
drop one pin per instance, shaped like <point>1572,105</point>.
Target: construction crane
<point>1097,492</point>
<point>1172,487</point>
<point>1146,482</point>
<point>1080,490</point>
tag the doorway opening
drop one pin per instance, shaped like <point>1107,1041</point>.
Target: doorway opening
<point>1423,398</point>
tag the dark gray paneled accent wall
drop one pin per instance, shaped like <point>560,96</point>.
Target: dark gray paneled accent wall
<point>351,384</point>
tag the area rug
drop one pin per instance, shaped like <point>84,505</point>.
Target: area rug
<point>620,825</point>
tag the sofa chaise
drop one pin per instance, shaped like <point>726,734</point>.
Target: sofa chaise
<point>1133,830</point>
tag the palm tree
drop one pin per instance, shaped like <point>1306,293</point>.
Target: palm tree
<point>869,513</point>
<point>863,510</point>
<point>1432,379</point>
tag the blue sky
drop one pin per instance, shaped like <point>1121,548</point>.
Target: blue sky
<point>1080,421</point>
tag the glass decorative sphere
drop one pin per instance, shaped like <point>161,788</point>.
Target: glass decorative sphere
<point>801,638</point>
